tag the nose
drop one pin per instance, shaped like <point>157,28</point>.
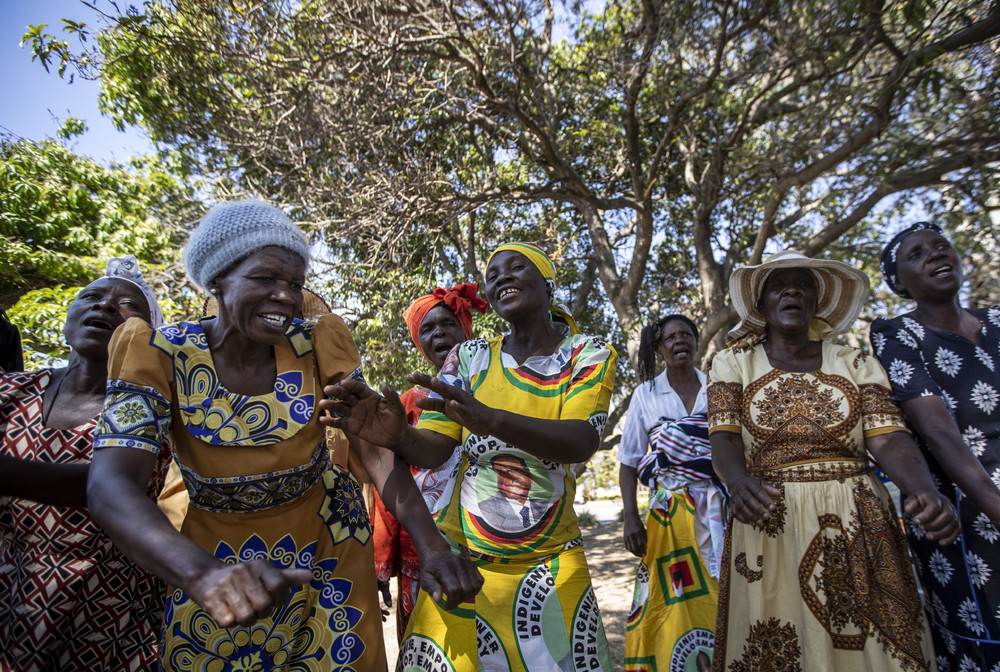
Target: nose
<point>105,304</point>
<point>282,294</point>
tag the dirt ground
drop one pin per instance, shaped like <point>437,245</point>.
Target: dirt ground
<point>612,569</point>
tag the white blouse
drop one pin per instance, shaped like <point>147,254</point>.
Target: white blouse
<point>652,403</point>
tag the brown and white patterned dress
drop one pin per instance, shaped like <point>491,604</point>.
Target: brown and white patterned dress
<point>825,583</point>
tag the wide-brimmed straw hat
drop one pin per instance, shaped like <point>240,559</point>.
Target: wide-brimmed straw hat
<point>841,292</point>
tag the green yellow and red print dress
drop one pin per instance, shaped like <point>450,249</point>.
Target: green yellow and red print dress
<point>514,512</point>
<point>261,486</point>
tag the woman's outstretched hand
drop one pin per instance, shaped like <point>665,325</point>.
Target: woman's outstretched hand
<point>242,593</point>
<point>357,409</point>
<point>935,515</point>
<point>752,499</point>
<point>445,574</point>
<point>456,403</point>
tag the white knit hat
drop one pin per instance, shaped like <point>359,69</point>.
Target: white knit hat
<point>230,232</point>
<point>841,292</point>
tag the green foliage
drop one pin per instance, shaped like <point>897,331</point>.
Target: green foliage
<point>63,216</point>
<point>652,150</point>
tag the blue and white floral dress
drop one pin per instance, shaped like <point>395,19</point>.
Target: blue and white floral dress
<point>961,581</point>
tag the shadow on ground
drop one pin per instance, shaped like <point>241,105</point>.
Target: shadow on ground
<point>612,569</point>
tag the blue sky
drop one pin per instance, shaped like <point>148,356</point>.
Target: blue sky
<point>33,103</point>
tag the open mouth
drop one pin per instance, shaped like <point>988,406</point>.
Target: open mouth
<point>506,292</point>
<point>99,323</point>
<point>443,349</point>
<point>941,270</point>
<point>274,319</point>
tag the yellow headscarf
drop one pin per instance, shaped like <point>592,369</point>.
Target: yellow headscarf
<point>541,261</point>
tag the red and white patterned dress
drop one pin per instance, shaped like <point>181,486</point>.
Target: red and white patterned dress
<point>69,599</point>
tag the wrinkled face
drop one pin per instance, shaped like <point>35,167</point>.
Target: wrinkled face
<point>515,286</point>
<point>259,296</point>
<point>99,309</point>
<point>788,299</point>
<point>927,265</point>
<point>513,477</point>
<point>438,334</point>
<point>678,344</point>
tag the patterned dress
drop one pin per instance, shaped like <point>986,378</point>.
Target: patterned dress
<point>69,599</point>
<point>961,581</point>
<point>395,554</point>
<point>261,486</point>
<point>825,583</point>
<point>514,512</point>
<point>672,618</point>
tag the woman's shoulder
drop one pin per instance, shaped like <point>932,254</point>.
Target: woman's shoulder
<point>589,344</point>
<point>23,383</point>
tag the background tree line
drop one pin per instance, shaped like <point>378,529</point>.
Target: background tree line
<point>650,146</point>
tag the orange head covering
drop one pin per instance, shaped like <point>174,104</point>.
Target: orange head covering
<point>460,299</point>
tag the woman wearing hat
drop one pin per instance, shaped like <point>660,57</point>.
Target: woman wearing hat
<point>523,407</point>
<point>272,568</point>
<point>69,599</point>
<point>816,574</point>
<point>665,445</point>
<point>437,322</point>
<point>942,361</point>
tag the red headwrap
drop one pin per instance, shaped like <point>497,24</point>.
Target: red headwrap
<point>460,299</point>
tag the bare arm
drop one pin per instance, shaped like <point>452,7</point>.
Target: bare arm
<point>931,418</point>
<point>901,460</point>
<point>116,492</point>
<point>751,499</point>
<point>381,420</point>
<point>44,482</point>
<point>562,441</point>
<point>441,571</point>
<point>634,531</point>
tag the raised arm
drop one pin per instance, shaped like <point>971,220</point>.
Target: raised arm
<point>442,573</point>
<point>931,418</point>
<point>561,441</point>
<point>380,419</point>
<point>231,594</point>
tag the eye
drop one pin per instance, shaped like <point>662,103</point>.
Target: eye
<point>296,286</point>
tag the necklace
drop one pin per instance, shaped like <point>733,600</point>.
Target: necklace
<point>52,402</point>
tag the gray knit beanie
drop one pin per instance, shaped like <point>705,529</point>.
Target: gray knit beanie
<point>231,232</point>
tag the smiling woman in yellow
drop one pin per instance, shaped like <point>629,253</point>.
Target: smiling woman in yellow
<point>523,406</point>
<point>273,567</point>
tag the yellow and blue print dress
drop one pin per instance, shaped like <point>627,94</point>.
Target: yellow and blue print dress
<point>261,485</point>
<point>514,512</point>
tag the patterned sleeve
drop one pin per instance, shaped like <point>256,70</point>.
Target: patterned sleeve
<point>725,394</point>
<point>455,372</point>
<point>136,410</point>
<point>898,349</point>
<point>635,437</point>
<point>588,396</point>
<point>879,413</point>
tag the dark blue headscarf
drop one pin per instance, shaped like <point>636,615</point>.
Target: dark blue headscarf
<point>889,273</point>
